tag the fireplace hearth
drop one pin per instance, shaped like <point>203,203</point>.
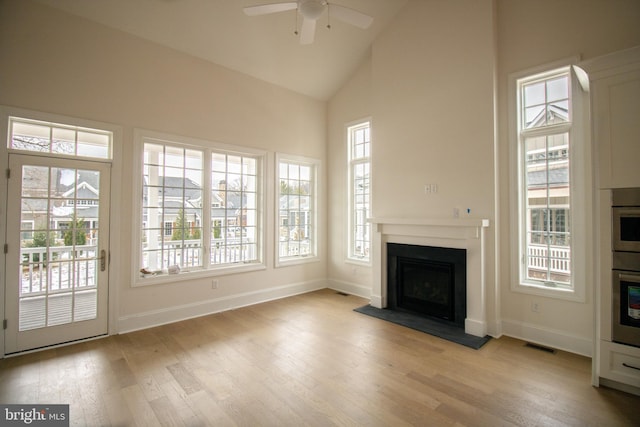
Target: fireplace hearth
<point>427,281</point>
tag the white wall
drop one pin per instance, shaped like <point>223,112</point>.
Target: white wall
<point>532,33</point>
<point>351,103</point>
<point>432,100</point>
<point>431,103</point>
<point>57,63</point>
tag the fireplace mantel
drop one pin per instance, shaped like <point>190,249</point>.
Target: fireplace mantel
<point>461,233</point>
<point>443,222</point>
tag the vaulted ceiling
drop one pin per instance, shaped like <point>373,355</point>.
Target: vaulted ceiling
<point>264,46</point>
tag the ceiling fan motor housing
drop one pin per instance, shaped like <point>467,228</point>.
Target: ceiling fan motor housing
<point>312,9</point>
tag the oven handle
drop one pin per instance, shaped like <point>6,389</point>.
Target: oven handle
<point>629,277</point>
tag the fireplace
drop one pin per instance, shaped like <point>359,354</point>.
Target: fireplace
<point>428,281</point>
<point>458,233</point>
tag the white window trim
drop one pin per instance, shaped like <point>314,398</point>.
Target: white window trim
<point>139,137</point>
<point>580,195</point>
<point>315,163</point>
<point>351,259</point>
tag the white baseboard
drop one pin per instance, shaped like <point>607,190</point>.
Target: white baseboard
<point>350,288</point>
<point>494,328</point>
<point>559,340</point>
<point>627,388</point>
<point>525,331</point>
<point>150,319</point>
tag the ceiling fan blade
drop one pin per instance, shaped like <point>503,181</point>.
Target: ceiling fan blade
<point>264,9</point>
<point>308,31</point>
<point>350,16</point>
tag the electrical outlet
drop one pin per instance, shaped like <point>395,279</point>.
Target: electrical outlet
<point>535,307</point>
<point>430,188</point>
<point>214,284</point>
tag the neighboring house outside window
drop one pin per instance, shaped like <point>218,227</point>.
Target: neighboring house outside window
<point>547,139</point>
<point>200,209</point>
<point>359,143</point>
<point>26,229</point>
<point>297,215</point>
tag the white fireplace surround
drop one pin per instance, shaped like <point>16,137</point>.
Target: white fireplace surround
<point>445,233</point>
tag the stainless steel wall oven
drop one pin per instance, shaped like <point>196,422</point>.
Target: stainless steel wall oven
<point>626,219</point>
<point>626,266</point>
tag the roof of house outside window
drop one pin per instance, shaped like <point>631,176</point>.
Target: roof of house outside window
<point>552,177</point>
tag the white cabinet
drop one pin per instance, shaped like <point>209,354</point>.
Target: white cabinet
<point>614,82</point>
<point>620,363</point>
<point>615,106</point>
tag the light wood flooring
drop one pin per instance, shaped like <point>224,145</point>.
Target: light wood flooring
<point>310,360</point>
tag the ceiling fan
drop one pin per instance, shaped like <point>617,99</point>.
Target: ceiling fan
<point>311,10</point>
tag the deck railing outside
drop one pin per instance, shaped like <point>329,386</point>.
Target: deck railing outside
<point>295,248</point>
<point>57,268</point>
<point>189,253</point>
<point>556,259</point>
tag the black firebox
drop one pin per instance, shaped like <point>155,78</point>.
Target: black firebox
<point>429,281</point>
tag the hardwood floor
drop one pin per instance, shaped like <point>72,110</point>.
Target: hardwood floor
<point>310,360</point>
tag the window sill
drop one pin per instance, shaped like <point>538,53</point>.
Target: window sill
<point>162,279</point>
<point>358,261</point>
<point>549,292</point>
<point>296,261</point>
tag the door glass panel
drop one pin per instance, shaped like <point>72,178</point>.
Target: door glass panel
<point>59,246</point>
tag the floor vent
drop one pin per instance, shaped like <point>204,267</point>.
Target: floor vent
<point>342,293</point>
<point>540,347</point>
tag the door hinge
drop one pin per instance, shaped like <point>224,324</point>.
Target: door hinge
<point>6,248</point>
<point>8,173</point>
<point>4,324</point>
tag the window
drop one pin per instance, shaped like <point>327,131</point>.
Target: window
<point>234,209</point>
<point>550,225</point>
<point>26,229</point>
<point>200,208</point>
<point>53,138</point>
<point>359,143</point>
<point>168,228</point>
<point>297,215</point>
<point>551,149</point>
<point>172,191</point>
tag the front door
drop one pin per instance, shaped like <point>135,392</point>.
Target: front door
<point>57,254</point>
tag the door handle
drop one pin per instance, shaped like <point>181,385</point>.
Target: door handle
<point>103,260</point>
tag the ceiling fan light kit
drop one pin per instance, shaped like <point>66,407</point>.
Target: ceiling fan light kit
<point>311,11</point>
